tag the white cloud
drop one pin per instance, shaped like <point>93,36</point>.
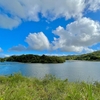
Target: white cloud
<point>62,8</point>
<point>18,48</point>
<point>4,55</point>
<point>8,23</point>
<point>1,50</point>
<point>56,54</point>
<point>94,5</point>
<point>50,9</point>
<point>27,10</point>
<point>88,50</point>
<point>77,36</point>
<point>38,41</point>
<point>13,7</point>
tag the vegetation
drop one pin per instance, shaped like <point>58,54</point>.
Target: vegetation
<point>30,58</point>
<point>18,87</point>
<point>36,59</point>
<point>2,59</point>
<point>94,56</point>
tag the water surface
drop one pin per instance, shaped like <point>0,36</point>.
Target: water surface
<point>71,70</point>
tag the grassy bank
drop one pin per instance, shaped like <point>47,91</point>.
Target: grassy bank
<point>17,87</point>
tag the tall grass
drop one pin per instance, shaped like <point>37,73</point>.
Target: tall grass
<point>18,87</point>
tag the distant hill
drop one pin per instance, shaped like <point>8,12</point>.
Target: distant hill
<point>94,56</point>
<point>30,58</point>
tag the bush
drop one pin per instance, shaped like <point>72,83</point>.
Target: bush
<point>18,87</point>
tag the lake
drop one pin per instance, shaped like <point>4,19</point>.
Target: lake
<point>71,70</point>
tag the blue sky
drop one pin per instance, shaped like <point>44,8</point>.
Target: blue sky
<point>52,27</point>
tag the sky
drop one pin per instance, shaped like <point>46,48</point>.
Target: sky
<point>51,27</point>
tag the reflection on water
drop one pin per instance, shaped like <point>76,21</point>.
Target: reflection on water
<point>72,70</point>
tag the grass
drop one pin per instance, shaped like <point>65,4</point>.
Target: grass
<point>18,87</point>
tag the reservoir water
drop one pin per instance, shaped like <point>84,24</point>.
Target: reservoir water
<point>71,70</point>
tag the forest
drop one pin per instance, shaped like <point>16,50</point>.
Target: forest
<point>30,58</point>
<point>94,56</point>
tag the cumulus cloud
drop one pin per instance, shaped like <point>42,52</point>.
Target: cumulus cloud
<point>55,54</point>
<point>38,41</point>
<point>1,50</point>
<point>27,10</point>
<point>62,8</point>
<point>14,7</point>
<point>18,48</point>
<point>7,22</point>
<point>93,5</point>
<point>77,36</point>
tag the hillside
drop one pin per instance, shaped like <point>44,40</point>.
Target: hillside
<point>94,56</point>
<point>30,58</point>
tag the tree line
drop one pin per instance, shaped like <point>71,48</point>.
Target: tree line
<point>30,58</point>
<point>94,56</point>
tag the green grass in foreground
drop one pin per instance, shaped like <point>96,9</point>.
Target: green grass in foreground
<point>17,87</point>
